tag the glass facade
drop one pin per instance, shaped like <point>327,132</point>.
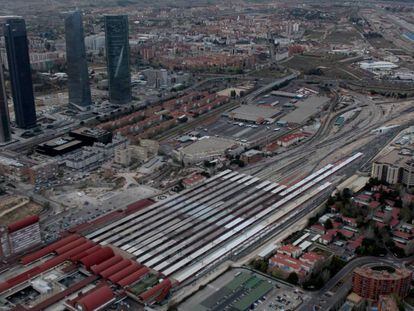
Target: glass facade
<point>20,72</point>
<point>78,76</point>
<point>117,57</point>
<point>5,133</point>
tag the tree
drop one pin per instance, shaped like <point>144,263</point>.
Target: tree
<point>328,224</point>
<point>346,193</point>
<point>293,278</point>
<point>405,214</point>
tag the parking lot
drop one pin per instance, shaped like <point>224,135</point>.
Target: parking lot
<point>281,300</point>
<point>241,289</point>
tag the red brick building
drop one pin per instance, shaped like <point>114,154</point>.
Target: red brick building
<point>373,282</point>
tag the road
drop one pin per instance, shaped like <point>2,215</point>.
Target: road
<point>253,95</point>
<point>345,272</point>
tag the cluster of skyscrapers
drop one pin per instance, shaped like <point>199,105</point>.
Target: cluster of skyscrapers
<point>118,66</point>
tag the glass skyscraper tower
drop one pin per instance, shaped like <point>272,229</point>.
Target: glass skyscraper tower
<point>5,132</point>
<point>78,76</point>
<point>117,58</point>
<point>20,73</point>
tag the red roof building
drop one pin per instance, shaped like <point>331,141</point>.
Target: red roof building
<point>132,268</point>
<point>96,299</point>
<point>290,139</point>
<point>155,293</point>
<point>193,180</point>
<point>20,236</point>
<point>134,277</point>
<point>106,264</point>
<point>97,257</point>
<point>373,282</point>
<point>312,258</point>
<point>30,220</point>
<point>115,268</point>
<point>290,250</point>
<point>48,249</point>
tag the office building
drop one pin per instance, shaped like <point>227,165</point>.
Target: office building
<point>5,132</point>
<point>117,57</point>
<point>394,167</point>
<point>19,236</point>
<point>78,77</point>
<point>20,72</point>
<point>373,282</point>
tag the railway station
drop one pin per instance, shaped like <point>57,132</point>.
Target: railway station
<point>167,243</point>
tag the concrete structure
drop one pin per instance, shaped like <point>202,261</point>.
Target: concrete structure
<point>78,76</point>
<point>151,145</point>
<point>5,131</point>
<point>20,72</point>
<point>117,56</point>
<point>20,236</point>
<point>373,282</point>
<point>290,250</point>
<point>90,157</point>
<point>387,303</point>
<point>290,139</point>
<point>394,167</point>
<point>378,65</point>
<point>205,149</point>
<point>251,156</point>
<point>139,153</point>
<point>95,43</point>
<point>123,156</point>
<point>86,158</point>
<point>42,172</point>
<point>254,114</point>
<point>353,302</point>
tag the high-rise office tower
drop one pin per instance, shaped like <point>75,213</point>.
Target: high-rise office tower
<point>5,132</point>
<point>78,77</point>
<point>117,58</point>
<point>20,73</point>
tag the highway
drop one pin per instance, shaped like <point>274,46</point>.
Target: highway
<point>253,95</point>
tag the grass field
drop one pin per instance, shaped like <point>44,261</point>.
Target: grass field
<point>343,37</point>
<point>306,62</point>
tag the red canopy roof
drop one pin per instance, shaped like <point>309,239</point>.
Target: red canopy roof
<point>48,249</point>
<point>134,267</point>
<point>115,268</point>
<point>106,264</point>
<point>30,220</point>
<point>97,257</point>
<point>134,277</point>
<point>96,298</point>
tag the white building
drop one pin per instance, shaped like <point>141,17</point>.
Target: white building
<point>377,65</point>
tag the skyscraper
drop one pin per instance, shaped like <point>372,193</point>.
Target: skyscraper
<point>20,73</point>
<point>117,58</point>
<point>5,133</point>
<point>78,77</point>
